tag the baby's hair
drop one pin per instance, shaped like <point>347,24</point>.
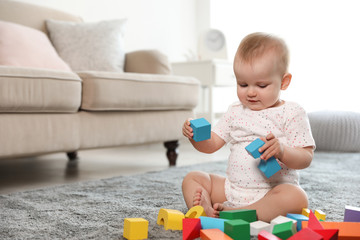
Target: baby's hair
<point>257,44</point>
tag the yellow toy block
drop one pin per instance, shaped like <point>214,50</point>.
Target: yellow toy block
<point>171,219</point>
<point>135,228</point>
<point>305,212</point>
<point>320,215</point>
<point>195,212</point>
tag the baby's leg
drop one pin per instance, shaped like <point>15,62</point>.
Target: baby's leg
<point>204,189</point>
<point>282,199</point>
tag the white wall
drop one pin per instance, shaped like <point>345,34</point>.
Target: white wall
<point>324,41</point>
<point>167,25</point>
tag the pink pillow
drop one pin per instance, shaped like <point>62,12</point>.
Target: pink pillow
<point>27,47</point>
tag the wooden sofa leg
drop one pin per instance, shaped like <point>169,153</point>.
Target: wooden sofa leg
<point>72,156</point>
<point>172,152</point>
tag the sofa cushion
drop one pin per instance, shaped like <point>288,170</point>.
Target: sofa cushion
<point>38,90</point>
<point>110,91</point>
<point>27,47</point>
<point>89,46</point>
<point>147,61</point>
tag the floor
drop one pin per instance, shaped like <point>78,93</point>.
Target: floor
<point>54,169</point>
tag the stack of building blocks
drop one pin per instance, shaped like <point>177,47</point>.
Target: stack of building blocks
<point>195,212</point>
<point>209,228</point>
<point>171,219</point>
<point>201,129</point>
<point>135,228</point>
<point>268,167</point>
<point>352,214</point>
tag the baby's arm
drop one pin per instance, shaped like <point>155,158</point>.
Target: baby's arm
<point>207,146</point>
<point>292,157</point>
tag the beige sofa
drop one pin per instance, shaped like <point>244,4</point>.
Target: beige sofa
<point>45,111</point>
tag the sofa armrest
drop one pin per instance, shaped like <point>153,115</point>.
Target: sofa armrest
<point>147,61</point>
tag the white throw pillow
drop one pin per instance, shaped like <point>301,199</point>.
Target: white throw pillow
<point>97,46</point>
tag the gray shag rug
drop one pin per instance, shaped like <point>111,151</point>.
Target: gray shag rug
<point>96,209</point>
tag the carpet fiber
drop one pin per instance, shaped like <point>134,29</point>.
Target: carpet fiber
<point>97,209</point>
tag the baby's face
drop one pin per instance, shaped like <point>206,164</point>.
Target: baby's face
<point>258,83</point>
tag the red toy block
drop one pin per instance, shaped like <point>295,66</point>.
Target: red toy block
<point>314,223</point>
<point>307,234</point>
<point>329,234</point>
<point>213,234</point>
<point>191,228</point>
<point>264,235</point>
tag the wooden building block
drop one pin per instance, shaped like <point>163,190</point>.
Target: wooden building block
<point>201,129</point>
<point>171,219</point>
<point>307,234</point>
<point>213,234</point>
<point>299,218</point>
<point>253,147</point>
<point>210,223</point>
<point>347,230</point>
<point>264,235</point>
<point>313,222</point>
<point>269,167</point>
<point>282,219</point>
<point>191,228</point>
<point>352,214</point>
<point>284,230</point>
<point>195,212</point>
<point>320,215</point>
<point>305,212</point>
<point>248,215</point>
<point>135,228</point>
<point>328,234</point>
<point>258,226</point>
<point>237,229</point>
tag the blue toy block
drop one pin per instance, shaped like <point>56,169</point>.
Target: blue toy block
<point>269,167</point>
<point>299,218</point>
<point>201,129</point>
<point>211,223</point>
<point>253,148</point>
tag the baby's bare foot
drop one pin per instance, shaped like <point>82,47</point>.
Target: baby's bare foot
<point>202,198</point>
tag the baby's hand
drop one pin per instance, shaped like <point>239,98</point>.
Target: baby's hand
<point>187,130</point>
<point>272,147</point>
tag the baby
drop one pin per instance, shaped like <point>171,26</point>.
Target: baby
<point>261,70</point>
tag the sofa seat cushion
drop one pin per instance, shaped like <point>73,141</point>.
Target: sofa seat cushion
<point>112,91</point>
<point>38,90</point>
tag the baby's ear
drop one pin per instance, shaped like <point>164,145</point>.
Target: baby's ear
<point>285,82</point>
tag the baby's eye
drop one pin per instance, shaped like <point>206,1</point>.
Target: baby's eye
<point>243,85</point>
<point>263,85</point>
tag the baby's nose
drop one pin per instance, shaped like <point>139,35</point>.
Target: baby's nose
<point>251,92</point>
